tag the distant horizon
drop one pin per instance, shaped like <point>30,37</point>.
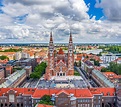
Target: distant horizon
<point>60,43</point>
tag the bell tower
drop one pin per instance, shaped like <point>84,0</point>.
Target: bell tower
<point>50,67</point>
<point>70,57</point>
<point>51,53</point>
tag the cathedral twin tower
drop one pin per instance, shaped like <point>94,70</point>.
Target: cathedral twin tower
<point>60,63</point>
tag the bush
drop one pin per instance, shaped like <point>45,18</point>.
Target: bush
<point>76,73</point>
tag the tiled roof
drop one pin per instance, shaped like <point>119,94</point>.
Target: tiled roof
<point>118,59</point>
<point>98,67</point>
<point>25,91</point>
<point>62,91</point>
<point>111,75</point>
<point>88,63</point>
<point>60,51</point>
<point>43,105</point>
<point>104,91</point>
<point>83,93</point>
<point>79,93</point>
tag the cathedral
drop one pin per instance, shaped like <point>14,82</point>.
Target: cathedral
<point>60,63</point>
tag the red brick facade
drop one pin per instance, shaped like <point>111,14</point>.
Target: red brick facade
<point>60,63</point>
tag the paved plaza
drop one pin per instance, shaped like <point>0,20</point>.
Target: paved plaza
<point>63,82</point>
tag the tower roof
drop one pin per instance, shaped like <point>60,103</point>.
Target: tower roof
<point>70,39</point>
<point>60,51</point>
<point>51,38</point>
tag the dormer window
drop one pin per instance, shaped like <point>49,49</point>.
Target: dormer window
<point>108,94</point>
<point>33,90</point>
<point>102,93</point>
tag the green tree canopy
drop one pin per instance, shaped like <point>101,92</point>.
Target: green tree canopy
<point>3,57</point>
<point>96,63</point>
<point>39,71</point>
<point>113,67</point>
<point>12,50</point>
<point>46,99</point>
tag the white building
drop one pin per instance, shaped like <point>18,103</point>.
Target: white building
<point>20,55</point>
<point>108,58</point>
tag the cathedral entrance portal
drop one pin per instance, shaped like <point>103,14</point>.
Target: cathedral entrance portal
<point>61,74</point>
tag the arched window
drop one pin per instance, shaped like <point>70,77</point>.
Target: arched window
<point>1,105</point>
<point>108,94</point>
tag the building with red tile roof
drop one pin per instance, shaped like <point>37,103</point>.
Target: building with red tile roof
<point>112,76</point>
<point>118,60</point>
<point>60,97</point>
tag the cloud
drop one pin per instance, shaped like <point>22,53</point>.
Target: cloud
<point>111,9</point>
<point>39,17</point>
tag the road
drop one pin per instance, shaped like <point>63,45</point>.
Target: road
<point>83,76</point>
<point>83,73</point>
<point>29,83</point>
<point>92,82</point>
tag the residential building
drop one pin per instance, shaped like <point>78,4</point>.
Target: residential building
<point>17,78</point>
<point>108,58</point>
<point>27,62</point>
<point>101,79</point>
<point>8,70</point>
<point>2,73</point>
<point>87,65</point>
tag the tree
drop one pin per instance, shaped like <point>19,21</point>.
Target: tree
<point>3,57</point>
<point>12,50</point>
<point>76,73</point>
<point>104,70</point>
<point>114,67</point>
<point>75,63</point>
<point>100,54</point>
<point>96,63</point>
<point>80,63</point>
<point>39,70</point>
<point>46,99</point>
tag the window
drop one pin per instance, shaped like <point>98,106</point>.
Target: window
<point>18,105</point>
<point>1,105</point>
<point>11,98</point>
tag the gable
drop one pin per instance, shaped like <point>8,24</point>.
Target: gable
<point>60,63</point>
<point>64,95</point>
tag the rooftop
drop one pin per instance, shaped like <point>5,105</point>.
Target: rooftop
<point>79,93</point>
<point>60,51</point>
<point>12,78</point>
<point>103,78</point>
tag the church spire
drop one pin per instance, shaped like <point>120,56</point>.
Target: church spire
<point>70,39</point>
<point>51,38</point>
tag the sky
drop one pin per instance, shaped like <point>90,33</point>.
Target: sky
<point>90,21</point>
